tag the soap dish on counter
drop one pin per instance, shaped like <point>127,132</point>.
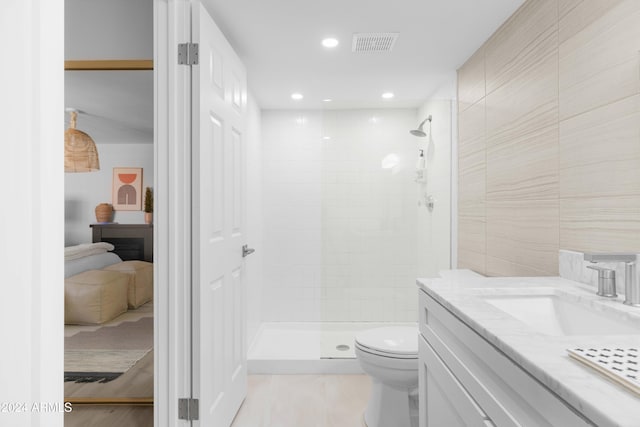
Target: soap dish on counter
<point>621,364</point>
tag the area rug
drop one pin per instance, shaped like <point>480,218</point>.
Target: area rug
<point>105,354</point>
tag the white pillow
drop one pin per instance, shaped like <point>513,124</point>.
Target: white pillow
<point>91,262</point>
<point>86,249</point>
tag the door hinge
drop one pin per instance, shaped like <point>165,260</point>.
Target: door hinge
<point>188,53</point>
<point>188,409</point>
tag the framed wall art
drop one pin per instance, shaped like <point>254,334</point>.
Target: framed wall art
<point>127,189</point>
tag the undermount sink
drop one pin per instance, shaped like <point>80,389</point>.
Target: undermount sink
<point>557,314</point>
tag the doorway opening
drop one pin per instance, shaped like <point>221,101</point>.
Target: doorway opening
<point>109,280</point>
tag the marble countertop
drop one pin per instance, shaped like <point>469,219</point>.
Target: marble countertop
<point>545,357</point>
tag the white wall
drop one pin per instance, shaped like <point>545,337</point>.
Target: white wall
<point>368,216</point>
<point>340,230</point>
<point>291,155</point>
<point>84,191</point>
<point>254,219</point>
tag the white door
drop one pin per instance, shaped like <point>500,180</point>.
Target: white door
<point>218,294</point>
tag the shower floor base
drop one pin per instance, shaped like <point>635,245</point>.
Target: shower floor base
<point>307,347</point>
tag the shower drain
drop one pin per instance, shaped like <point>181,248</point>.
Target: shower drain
<point>342,347</point>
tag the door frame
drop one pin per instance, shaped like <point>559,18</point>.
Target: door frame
<point>173,329</point>
<point>32,307</point>
<point>35,304</point>
<point>172,224</point>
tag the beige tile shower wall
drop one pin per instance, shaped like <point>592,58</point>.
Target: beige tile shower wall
<point>549,137</point>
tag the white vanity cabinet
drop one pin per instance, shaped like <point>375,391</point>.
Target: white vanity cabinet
<point>446,401</point>
<point>466,381</point>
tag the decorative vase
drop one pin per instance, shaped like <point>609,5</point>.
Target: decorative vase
<point>104,212</point>
<point>148,217</point>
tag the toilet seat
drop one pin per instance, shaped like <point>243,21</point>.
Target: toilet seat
<point>386,354</point>
<point>396,342</point>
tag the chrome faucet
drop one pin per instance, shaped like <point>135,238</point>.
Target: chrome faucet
<point>631,284</point>
<point>606,281</point>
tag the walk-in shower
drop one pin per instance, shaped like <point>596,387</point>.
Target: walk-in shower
<point>344,237</point>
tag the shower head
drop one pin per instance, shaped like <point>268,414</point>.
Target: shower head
<point>420,132</point>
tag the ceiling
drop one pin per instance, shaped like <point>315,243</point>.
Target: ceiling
<point>279,43</point>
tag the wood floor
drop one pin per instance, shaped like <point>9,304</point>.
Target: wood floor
<point>109,416</point>
<point>304,401</point>
<point>135,383</point>
<point>272,401</point>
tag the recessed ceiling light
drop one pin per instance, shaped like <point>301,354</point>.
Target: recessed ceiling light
<point>327,100</point>
<point>297,96</point>
<point>330,42</point>
<point>388,95</point>
<point>326,138</point>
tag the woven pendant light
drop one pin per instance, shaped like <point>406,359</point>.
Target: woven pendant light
<point>80,152</point>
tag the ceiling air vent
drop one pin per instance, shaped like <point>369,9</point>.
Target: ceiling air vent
<point>373,42</point>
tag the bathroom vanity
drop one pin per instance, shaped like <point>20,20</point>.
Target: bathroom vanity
<point>493,352</point>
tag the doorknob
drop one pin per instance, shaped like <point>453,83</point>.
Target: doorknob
<point>247,251</point>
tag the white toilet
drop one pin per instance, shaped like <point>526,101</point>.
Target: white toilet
<point>389,356</point>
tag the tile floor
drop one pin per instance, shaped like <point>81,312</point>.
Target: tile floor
<point>304,401</point>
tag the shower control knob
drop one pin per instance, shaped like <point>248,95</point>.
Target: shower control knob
<point>430,203</point>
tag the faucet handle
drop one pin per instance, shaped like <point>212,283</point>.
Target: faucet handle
<point>606,281</point>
